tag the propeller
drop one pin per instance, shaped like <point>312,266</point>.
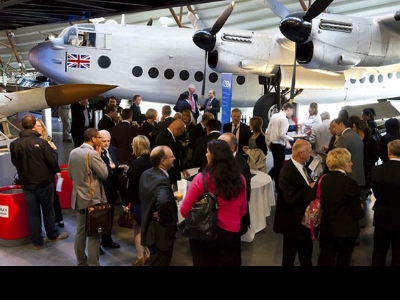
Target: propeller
<point>205,38</point>
<point>296,27</point>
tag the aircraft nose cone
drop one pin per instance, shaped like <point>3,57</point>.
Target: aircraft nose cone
<point>204,40</point>
<point>33,56</point>
<point>295,29</point>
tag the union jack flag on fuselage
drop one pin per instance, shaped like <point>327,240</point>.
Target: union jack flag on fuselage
<point>78,61</point>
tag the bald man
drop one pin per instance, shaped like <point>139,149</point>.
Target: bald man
<point>293,197</point>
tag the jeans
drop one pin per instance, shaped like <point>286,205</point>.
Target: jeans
<point>38,202</point>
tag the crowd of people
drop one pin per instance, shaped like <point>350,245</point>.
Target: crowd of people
<point>138,158</point>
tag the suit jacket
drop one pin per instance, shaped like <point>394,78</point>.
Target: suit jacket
<point>244,135</point>
<point>199,158</point>
<point>245,171</point>
<point>136,169</point>
<point>165,138</point>
<point>78,174</point>
<point>111,182</point>
<point>182,105</point>
<point>162,125</point>
<point>352,142</point>
<point>105,123</point>
<point>196,132</point>
<point>78,122</point>
<point>341,205</point>
<point>293,197</point>
<point>156,195</point>
<point>137,114</point>
<point>121,138</point>
<point>385,185</point>
<point>216,107</point>
<point>320,135</point>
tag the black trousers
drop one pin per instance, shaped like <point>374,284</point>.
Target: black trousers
<point>278,155</point>
<point>335,251</point>
<point>159,257</point>
<point>301,246</point>
<point>383,238</point>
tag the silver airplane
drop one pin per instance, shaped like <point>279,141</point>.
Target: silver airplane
<point>160,62</point>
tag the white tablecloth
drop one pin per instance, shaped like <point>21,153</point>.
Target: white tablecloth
<point>262,197</point>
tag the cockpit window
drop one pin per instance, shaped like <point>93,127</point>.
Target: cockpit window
<point>80,37</point>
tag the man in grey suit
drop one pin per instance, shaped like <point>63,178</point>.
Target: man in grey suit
<point>81,197</point>
<point>159,209</point>
<point>350,140</point>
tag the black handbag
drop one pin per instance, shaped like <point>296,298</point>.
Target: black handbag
<point>98,216</point>
<point>202,221</point>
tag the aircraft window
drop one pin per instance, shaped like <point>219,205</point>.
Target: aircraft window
<point>213,77</point>
<point>137,71</point>
<point>380,78</point>
<point>390,75</point>
<point>397,75</point>
<point>353,81</point>
<point>104,62</point>
<point>362,80</point>
<point>240,80</point>
<point>169,73</point>
<point>184,75</point>
<point>153,72</point>
<point>372,78</point>
<point>198,76</point>
<point>70,36</point>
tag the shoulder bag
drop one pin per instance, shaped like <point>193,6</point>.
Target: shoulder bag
<point>98,216</point>
<point>127,219</point>
<point>202,221</point>
<point>312,215</point>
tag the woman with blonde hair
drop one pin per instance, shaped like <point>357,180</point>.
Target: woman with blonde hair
<point>257,148</point>
<point>141,149</point>
<point>41,128</point>
<point>342,209</point>
<point>149,125</point>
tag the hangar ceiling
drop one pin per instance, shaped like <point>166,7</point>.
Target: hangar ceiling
<point>51,17</point>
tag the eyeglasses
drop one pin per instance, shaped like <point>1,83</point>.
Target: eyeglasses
<point>166,157</point>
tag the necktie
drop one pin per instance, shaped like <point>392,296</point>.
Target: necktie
<point>235,129</point>
<point>307,176</point>
<point>192,102</point>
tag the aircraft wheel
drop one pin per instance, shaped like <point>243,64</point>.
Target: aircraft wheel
<point>265,107</point>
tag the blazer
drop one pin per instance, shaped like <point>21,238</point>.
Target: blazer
<point>352,142</point>
<point>105,123</point>
<point>244,135</point>
<point>156,195</point>
<point>136,169</point>
<point>215,107</point>
<point>293,198</point>
<point>121,138</point>
<point>341,205</point>
<point>78,174</point>
<point>182,106</point>
<point>111,182</point>
<point>196,132</point>
<point>385,185</point>
<point>137,114</point>
<point>165,138</point>
<point>199,158</point>
<point>162,125</point>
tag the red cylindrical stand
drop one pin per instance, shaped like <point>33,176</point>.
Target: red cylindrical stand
<point>66,189</point>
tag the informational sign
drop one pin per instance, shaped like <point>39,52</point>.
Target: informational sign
<point>3,211</point>
<point>226,102</point>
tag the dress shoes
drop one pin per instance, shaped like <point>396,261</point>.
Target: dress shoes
<point>111,245</point>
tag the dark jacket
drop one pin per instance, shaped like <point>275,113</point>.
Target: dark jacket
<point>34,160</point>
<point>106,123</point>
<point>156,195</point>
<point>136,169</point>
<point>244,135</point>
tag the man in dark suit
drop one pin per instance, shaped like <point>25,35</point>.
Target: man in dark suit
<point>109,155</point>
<point>169,137</point>
<point>188,100</point>
<point>212,104</point>
<point>199,158</point>
<point>245,171</point>
<point>199,129</point>
<point>385,186</point>
<point>241,130</point>
<point>165,121</point>
<point>159,209</point>
<point>294,195</point>
<point>137,113</point>
<point>107,122</point>
<point>121,138</point>
<point>81,119</point>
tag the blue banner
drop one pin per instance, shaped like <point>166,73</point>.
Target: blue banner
<point>226,102</point>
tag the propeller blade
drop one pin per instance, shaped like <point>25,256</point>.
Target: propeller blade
<point>150,22</point>
<point>293,84</point>
<point>316,8</point>
<point>277,8</point>
<point>195,21</point>
<point>220,22</point>
<point>203,88</point>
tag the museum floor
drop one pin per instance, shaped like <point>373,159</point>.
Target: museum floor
<point>264,250</point>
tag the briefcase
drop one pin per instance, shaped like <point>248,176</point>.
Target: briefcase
<point>98,219</point>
